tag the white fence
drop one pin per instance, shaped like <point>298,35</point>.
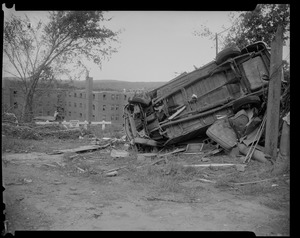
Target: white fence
<point>76,123</point>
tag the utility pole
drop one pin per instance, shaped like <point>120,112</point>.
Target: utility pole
<point>216,44</point>
<point>273,105</point>
<point>89,96</point>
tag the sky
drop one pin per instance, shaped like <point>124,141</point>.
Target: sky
<point>156,45</point>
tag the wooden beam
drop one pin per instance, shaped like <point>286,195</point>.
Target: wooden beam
<point>273,105</point>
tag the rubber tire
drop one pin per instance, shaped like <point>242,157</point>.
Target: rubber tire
<point>248,100</point>
<point>142,101</point>
<point>227,53</point>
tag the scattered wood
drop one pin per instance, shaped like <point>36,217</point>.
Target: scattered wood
<point>209,165</point>
<point>85,148</point>
<point>50,165</point>
<point>111,174</point>
<point>253,182</point>
<point>205,180</point>
<point>116,169</point>
<point>163,199</point>
<point>80,169</point>
<point>119,153</point>
<point>172,152</point>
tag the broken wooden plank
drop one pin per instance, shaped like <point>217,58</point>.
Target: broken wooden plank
<point>172,152</point>
<point>85,148</point>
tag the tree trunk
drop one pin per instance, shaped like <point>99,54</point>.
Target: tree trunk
<point>28,107</point>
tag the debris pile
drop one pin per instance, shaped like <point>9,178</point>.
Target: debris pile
<point>38,132</point>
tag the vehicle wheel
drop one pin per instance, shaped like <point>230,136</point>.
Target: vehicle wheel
<point>142,101</point>
<point>227,53</point>
<point>253,100</point>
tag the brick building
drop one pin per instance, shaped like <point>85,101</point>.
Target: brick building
<point>72,104</point>
<point>45,103</point>
<point>107,105</point>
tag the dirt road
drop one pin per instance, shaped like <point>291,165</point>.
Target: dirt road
<point>42,192</point>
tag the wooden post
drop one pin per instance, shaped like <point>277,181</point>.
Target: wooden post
<point>273,105</point>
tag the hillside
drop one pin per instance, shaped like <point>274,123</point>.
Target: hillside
<point>106,84</point>
<point>119,85</point>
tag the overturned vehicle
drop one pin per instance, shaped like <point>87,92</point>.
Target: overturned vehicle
<point>185,107</point>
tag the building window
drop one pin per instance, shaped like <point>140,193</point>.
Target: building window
<point>93,116</point>
<point>69,104</point>
<point>69,114</point>
<point>80,105</point>
<point>112,97</point>
<point>112,117</point>
<point>104,96</point>
<point>104,117</point>
<point>94,108</point>
<point>117,97</point>
<point>125,97</point>
<point>80,115</point>
<point>112,107</point>
<point>80,95</point>
<point>15,92</point>
<point>117,107</point>
<point>103,108</point>
<point>75,95</point>
<point>117,118</point>
<point>75,104</point>
<point>93,96</point>
<point>15,105</point>
<point>40,113</point>
<point>48,113</point>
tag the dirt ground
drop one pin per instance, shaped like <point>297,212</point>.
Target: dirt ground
<point>67,192</point>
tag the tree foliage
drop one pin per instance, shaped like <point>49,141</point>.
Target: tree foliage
<point>259,25</point>
<point>36,53</point>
